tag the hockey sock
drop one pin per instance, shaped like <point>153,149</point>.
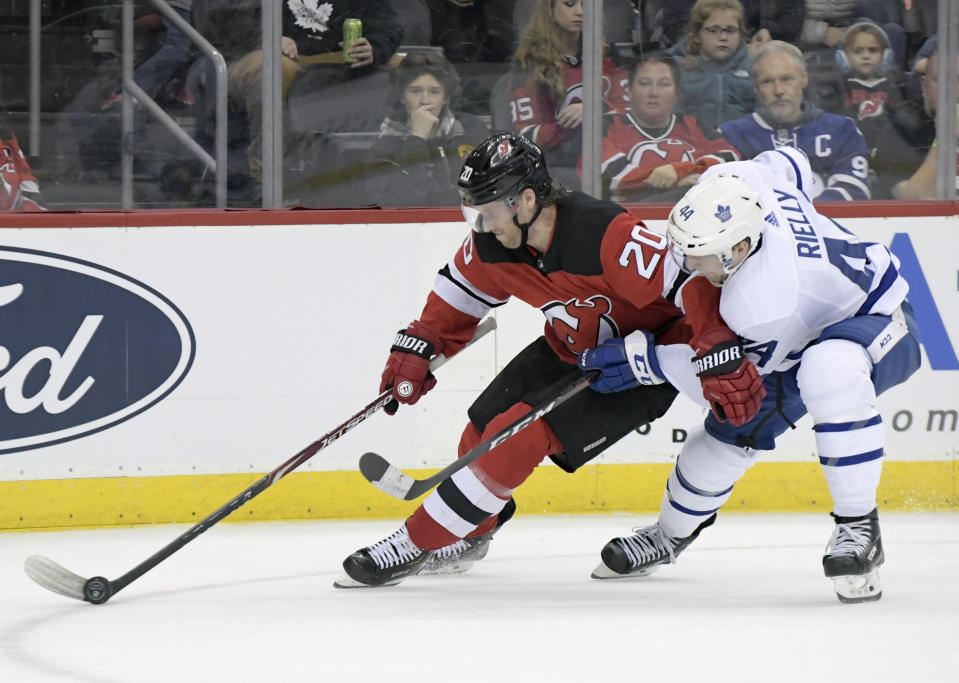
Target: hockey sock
<point>701,482</point>
<point>474,495</point>
<point>472,436</point>
<point>851,459</point>
<point>836,386</point>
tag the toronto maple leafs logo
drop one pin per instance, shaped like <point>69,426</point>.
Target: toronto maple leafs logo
<point>723,213</point>
<point>309,15</point>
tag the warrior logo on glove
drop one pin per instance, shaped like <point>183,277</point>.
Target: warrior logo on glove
<point>722,358</point>
<point>731,383</point>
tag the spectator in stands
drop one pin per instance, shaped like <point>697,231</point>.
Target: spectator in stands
<point>765,20</point>
<point>913,86</point>
<point>473,30</point>
<point>918,19</point>
<point>155,75</point>
<point>313,38</point>
<point>836,149</point>
<point>873,97</point>
<point>773,20</point>
<point>651,153</point>
<point>164,53</point>
<point>922,184</point>
<point>417,159</point>
<point>827,20</point>
<point>546,97</point>
<point>716,67</point>
<point>19,189</point>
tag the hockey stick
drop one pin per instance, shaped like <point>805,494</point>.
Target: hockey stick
<point>390,480</point>
<point>98,589</point>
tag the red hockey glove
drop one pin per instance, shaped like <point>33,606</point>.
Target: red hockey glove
<point>730,382</point>
<point>407,370</point>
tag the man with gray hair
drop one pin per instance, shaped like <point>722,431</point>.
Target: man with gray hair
<point>836,149</point>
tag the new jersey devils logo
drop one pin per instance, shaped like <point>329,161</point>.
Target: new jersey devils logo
<point>870,109</point>
<point>575,94</point>
<point>669,151</point>
<point>579,324</point>
<point>502,153</point>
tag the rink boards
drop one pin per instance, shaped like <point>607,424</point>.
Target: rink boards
<point>153,365</point>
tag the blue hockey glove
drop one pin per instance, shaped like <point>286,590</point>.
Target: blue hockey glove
<point>624,363</point>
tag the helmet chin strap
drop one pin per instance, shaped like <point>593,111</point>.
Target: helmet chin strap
<point>524,227</point>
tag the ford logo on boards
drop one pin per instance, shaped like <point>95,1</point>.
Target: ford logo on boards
<point>82,348</point>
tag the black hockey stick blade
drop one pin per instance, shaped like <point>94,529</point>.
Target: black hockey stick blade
<point>394,482</point>
<point>97,590</point>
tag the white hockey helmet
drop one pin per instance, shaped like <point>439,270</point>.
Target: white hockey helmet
<point>717,213</point>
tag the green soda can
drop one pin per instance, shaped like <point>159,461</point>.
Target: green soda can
<point>352,31</point>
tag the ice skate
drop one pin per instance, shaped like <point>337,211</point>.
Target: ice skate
<point>384,563</point>
<point>853,557</point>
<point>458,557</point>
<point>643,552</point>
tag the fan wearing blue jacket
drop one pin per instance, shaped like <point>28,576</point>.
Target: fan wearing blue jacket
<point>836,149</point>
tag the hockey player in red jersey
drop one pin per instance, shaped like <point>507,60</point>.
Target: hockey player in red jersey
<point>597,273</point>
<point>651,150</point>
<point>19,190</point>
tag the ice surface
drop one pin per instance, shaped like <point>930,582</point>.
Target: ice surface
<point>254,602</point>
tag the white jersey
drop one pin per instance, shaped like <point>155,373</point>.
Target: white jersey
<point>807,273</point>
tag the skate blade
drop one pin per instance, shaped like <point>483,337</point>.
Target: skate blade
<point>450,568</point>
<point>345,581</point>
<point>604,572</point>
<point>858,587</point>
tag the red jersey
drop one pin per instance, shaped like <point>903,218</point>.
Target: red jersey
<point>604,275</point>
<point>19,190</point>
<point>631,152</point>
<point>534,108</point>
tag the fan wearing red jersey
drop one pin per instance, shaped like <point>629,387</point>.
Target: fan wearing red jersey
<point>597,273</point>
<point>546,90</point>
<point>651,151</point>
<point>19,190</point>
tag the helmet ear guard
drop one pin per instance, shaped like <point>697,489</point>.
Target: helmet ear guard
<point>714,216</point>
<point>888,57</point>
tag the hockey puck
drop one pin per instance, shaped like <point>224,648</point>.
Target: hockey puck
<point>97,590</point>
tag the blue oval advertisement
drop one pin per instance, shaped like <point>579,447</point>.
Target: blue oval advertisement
<point>82,348</point>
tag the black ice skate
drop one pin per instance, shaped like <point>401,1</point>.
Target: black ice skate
<point>643,552</point>
<point>384,563</point>
<point>853,557</point>
<point>458,557</point>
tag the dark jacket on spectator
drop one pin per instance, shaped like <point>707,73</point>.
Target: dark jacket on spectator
<point>875,105</point>
<point>782,18</point>
<point>406,170</point>
<point>233,26</point>
<point>314,32</point>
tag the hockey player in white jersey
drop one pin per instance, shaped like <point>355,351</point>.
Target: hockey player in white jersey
<point>823,316</point>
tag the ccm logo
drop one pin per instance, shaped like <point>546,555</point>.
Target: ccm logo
<point>82,348</point>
